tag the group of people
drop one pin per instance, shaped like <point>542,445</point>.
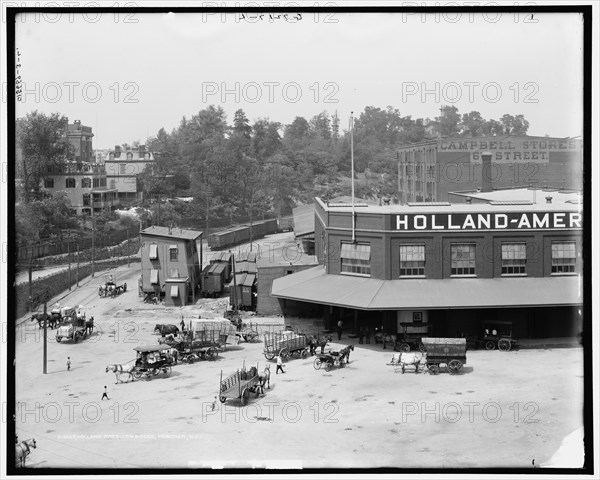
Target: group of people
<point>364,335</point>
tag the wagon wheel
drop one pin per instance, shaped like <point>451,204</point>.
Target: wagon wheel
<point>155,372</point>
<point>148,375</point>
<point>269,356</point>
<point>167,370</point>
<point>58,339</point>
<point>489,345</point>
<point>433,369</point>
<point>222,399</point>
<point>137,374</point>
<point>504,344</point>
<point>304,353</point>
<point>124,287</point>
<point>404,347</point>
<point>245,395</point>
<point>223,388</point>
<point>454,366</point>
<point>422,347</point>
<point>190,359</point>
<point>210,353</point>
<point>317,363</point>
<point>328,365</point>
<point>245,337</point>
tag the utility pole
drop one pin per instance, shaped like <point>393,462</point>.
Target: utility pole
<point>45,334</point>
<point>30,286</point>
<point>127,247</point>
<point>93,237</point>
<point>69,257</point>
<point>77,275</point>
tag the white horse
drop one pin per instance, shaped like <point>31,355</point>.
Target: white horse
<point>415,359</point>
<point>22,450</point>
<point>119,370</point>
<point>265,379</point>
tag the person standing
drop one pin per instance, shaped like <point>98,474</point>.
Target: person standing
<point>279,365</point>
<point>368,335</point>
<point>340,324</point>
<point>361,335</point>
<point>105,394</point>
<point>68,364</point>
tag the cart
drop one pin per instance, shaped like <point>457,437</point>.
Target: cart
<point>239,385</point>
<point>204,346</point>
<point>497,334</point>
<point>152,360</point>
<point>76,326</point>
<point>285,344</point>
<point>451,352</point>
<point>333,358</point>
<point>407,341</point>
<point>110,288</point>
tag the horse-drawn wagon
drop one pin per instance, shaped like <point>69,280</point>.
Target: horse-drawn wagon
<point>110,288</point>
<point>152,360</point>
<point>285,344</point>
<point>75,327</point>
<point>333,358</point>
<point>496,334</point>
<point>197,345</point>
<point>451,352</point>
<point>243,382</point>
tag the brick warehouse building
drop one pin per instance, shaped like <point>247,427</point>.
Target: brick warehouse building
<point>451,266</point>
<point>429,170</point>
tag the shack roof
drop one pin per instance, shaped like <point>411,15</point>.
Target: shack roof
<point>178,233</point>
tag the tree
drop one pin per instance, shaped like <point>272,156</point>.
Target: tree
<point>241,125</point>
<point>320,126</point>
<point>44,145</point>
<point>446,124</point>
<point>471,124</point>
<point>335,127</point>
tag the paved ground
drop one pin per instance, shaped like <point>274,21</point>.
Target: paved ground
<point>506,409</point>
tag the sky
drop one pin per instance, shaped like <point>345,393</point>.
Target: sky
<point>129,76</point>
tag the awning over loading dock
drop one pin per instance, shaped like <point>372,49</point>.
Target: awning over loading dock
<point>315,286</point>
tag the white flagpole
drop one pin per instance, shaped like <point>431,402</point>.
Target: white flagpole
<point>352,174</point>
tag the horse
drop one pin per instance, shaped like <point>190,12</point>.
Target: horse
<point>315,341</point>
<point>22,450</point>
<point>41,320</point>
<point>166,329</point>
<point>414,359</point>
<point>345,354</point>
<point>119,369</point>
<point>265,378</point>
<point>89,326</point>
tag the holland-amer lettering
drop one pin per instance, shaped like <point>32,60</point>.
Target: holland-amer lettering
<point>488,221</point>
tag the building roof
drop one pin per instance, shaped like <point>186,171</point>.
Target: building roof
<point>315,286</point>
<point>436,207</point>
<point>524,194</point>
<point>304,219</point>
<point>178,233</point>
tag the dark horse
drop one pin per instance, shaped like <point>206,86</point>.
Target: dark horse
<point>53,320</point>
<point>315,341</point>
<point>166,329</point>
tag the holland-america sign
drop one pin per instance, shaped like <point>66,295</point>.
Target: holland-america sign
<point>489,221</point>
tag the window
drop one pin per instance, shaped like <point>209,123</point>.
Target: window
<point>122,168</point>
<point>49,183</point>
<point>86,199</point>
<point>153,277</point>
<point>412,260</point>
<point>514,258</point>
<point>96,182</point>
<point>70,183</point>
<point>174,291</point>
<point>103,182</point>
<point>462,259</point>
<point>563,257</point>
<point>174,273</point>
<point>173,253</point>
<point>153,252</point>
<point>86,182</point>
<point>356,258</point>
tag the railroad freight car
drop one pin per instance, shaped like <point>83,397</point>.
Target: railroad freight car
<point>243,291</point>
<point>212,280</point>
<point>241,234</point>
<point>286,224</point>
<point>225,259</point>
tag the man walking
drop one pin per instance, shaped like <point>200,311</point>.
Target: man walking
<point>68,364</point>
<point>105,394</point>
<point>339,329</point>
<point>361,335</point>
<point>279,365</point>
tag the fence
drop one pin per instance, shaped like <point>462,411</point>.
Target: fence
<point>53,285</point>
<point>26,253</point>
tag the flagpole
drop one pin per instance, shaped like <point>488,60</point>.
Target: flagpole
<point>352,174</point>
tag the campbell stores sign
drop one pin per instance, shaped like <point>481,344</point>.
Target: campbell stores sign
<point>489,221</point>
<point>512,149</point>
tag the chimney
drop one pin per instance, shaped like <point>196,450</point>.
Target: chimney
<point>468,200</point>
<point>486,171</point>
<point>548,199</point>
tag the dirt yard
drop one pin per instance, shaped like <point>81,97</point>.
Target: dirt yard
<point>505,410</point>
